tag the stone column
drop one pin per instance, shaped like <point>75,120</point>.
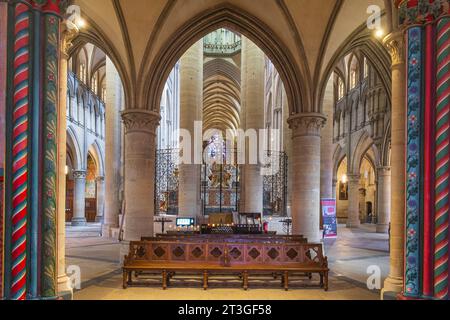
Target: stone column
<point>334,185</point>
<point>353,220</point>
<point>100,181</point>
<point>191,102</point>
<point>306,171</point>
<point>384,199</point>
<point>68,34</point>
<point>79,200</point>
<point>140,154</point>
<point>326,159</point>
<point>113,149</point>
<point>394,282</point>
<point>252,102</point>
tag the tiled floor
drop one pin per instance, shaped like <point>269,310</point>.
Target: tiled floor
<point>350,256</point>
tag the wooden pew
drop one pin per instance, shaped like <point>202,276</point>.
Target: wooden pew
<point>207,258</point>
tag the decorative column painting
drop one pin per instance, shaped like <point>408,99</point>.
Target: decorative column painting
<point>427,32</point>
<point>30,162</point>
<point>3,37</point>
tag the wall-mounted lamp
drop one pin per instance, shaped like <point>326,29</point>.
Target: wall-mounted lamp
<point>80,22</point>
<point>344,178</point>
<point>379,33</point>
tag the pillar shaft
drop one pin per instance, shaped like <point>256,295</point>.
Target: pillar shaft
<point>3,40</point>
<point>353,220</point>
<point>79,198</point>
<point>394,282</point>
<point>252,101</point>
<point>62,279</point>
<point>384,199</point>
<point>112,149</point>
<point>326,160</point>
<point>191,102</point>
<point>306,171</point>
<point>140,152</point>
<point>100,182</point>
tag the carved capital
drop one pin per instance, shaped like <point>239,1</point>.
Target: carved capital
<point>353,179</point>
<point>140,121</point>
<point>79,174</point>
<point>306,124</point>
<point>395,43</point>
<point>384,171</point>
<point>69,31</point>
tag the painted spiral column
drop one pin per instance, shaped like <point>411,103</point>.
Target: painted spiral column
<point>50,152</point>
<point>442,190</point>
<point>413,163</point>
<point>20,151</point>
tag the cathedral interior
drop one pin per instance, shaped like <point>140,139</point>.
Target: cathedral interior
<point>173,149</point>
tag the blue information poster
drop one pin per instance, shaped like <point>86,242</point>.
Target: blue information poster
<point>329,218</point>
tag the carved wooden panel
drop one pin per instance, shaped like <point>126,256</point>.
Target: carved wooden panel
<point>273,254</point>
<point>160,252</point>
<point>197,252</point>
<point>234,253</point>
<point>178,252</point>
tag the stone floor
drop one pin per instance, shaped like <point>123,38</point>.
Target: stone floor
<point>350,256</point>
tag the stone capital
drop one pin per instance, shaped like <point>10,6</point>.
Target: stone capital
<point>395,43</point>
<point>69,31</point>
<point>353,178</point>
<point>136,120</point>
<point>79,174</point>
<point>306,124</point>
<point>385,170</point>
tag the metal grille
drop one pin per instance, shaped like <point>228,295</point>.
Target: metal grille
<point>167,182</point>
<point>275,184</point>
<point>220,180</point>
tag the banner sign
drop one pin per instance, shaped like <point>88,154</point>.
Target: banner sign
<point>329,218</point>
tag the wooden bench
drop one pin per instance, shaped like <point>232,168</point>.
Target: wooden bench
<point>208,258</point>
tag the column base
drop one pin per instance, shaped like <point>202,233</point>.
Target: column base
<point>79,222</point>
<point>65,291</point>
<point>382,228</point>
<point>110,231</point>
<point>353,224</point>
<point>124,250</point>
<point>392,288</point>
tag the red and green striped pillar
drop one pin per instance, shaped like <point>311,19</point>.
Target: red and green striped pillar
<point>20,143</point>
<point>33,90</point>
<point>427,28</point>
<point>442,186</point>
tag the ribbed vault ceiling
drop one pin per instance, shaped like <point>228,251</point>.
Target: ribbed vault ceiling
<point>311,32</point>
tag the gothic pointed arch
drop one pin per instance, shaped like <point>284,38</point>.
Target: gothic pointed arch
<point>75,148</point>
<point>236,19</point>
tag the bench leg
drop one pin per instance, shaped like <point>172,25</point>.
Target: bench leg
<point>245,276</point>
<point>205,280</point>
<point>321,280</point>
<point>164,280</point>
<point>326,281</point>
<point>130,278</point>
<point>125,279</point>
<point>286,280</point>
